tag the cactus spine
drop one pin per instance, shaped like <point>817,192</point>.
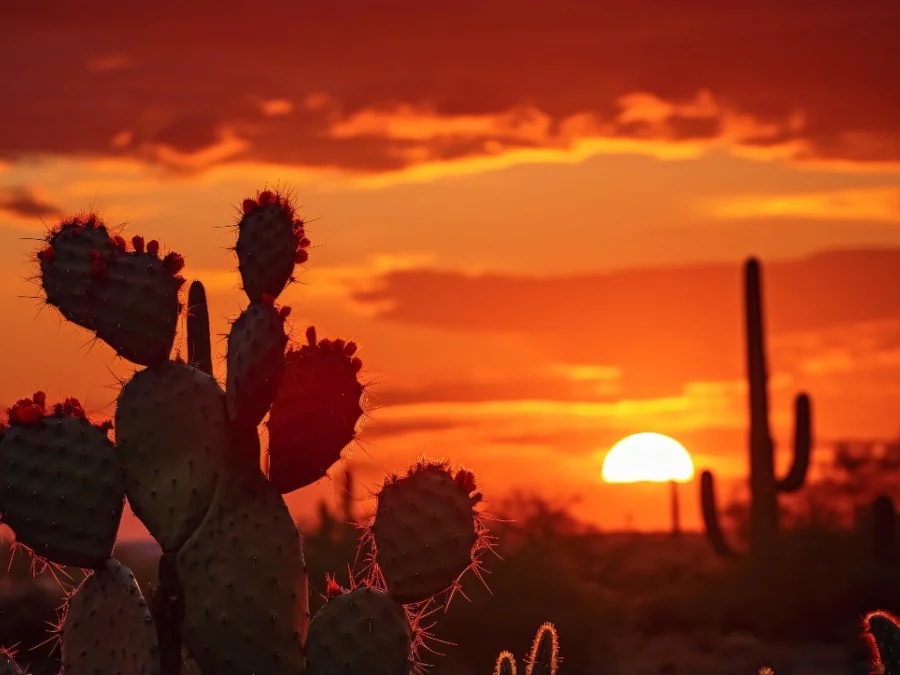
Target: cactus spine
<point>233,588</point>
<point>764,485</point>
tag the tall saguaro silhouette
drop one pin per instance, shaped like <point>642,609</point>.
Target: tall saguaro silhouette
<point>765,486</point>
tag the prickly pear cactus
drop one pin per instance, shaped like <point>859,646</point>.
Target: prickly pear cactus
<point>110,598</point>
<point>361,632</point>
<point>426,530</point>
<point>544,656</point>
<point>62,489</point>
<point>233,591</point>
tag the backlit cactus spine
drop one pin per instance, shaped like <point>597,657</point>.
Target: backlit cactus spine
<point>233,589</point>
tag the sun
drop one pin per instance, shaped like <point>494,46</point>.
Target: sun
<point>647,457</point>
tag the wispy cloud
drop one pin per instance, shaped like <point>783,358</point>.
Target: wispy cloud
<point>877,204</point>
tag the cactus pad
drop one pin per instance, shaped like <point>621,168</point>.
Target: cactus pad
<point>271,240</point>
<point>67,264</point>
<point>256,346</point>
<point>61,487</point>
<point>363,632</point>
<point>315,413</point>
<point>173,437</point>
<point>544,656</point>
<point>135,304</point>
<point>108,627</point>
<point>506,664</point>
<point>425,530</point>
<point>244,579</point>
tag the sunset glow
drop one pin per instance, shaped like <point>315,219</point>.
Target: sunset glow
<point>647,457</point>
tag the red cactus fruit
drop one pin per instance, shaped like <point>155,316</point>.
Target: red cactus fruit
<point>265,198</point>
<point>153,247</point>
<point>120,244</point>
<point>40,398</point>
<point>138,242</point>
<point>248,206</point>
<point>47,254</point>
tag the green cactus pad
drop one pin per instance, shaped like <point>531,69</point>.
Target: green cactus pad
<point>425,530</point>
<point>363,632</point>
<point>544,656</point>
<point>61,487</point>
<point>256,346</point>
<point>173,435</point>
<point>108,627</point>
<point>136,305</point>
<point>66,265</point>
<point>506,664</point>
<point>316,412</point>
<point>271,240</point>
<point>244,578</point>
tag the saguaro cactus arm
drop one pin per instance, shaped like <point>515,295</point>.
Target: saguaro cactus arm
<point>796,476</point>
<point>711,517</point>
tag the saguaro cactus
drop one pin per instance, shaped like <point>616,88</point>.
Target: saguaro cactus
<point>233,586</point>
<point>764,485</point>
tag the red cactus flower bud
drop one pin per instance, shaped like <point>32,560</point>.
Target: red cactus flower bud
<point>47,254</point>
<point>173,263</point>
<point>120,244</point>
<point>356,364</point>
<point>138,242</point>
<point>248,206</point>
<point>40,398</point>
<point>332,588</point>
<point>153,247</point>
<point>350,348</point>
<point>265,198</point>
<point>301,256</point>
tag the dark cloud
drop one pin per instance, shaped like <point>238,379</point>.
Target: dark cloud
<point>185,75</point>
<point>21,201</point>
<point>663,327</point>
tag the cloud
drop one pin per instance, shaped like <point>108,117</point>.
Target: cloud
<point>23,203</point>
<point>879,205</point>
<point>386,91</point>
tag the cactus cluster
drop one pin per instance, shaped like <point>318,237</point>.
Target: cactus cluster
<point>542,659</point>
<point>233,592</point>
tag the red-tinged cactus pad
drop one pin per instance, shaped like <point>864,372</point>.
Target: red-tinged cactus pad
<point>363,632</point>
<point>426,530</point>
<point>544,656</point>
<point>245,587</point>
<point>62,490</point>
<point>173,436</point>
<point>882,633</point>
<point>67,263</point>
<point>506,664</point>
<point>271,240</point>
<point>256,347</point>
<point>108,627</point>
<point>315,413</point>
<point>136,305</point>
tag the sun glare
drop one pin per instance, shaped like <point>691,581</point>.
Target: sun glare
<point>647,457</point>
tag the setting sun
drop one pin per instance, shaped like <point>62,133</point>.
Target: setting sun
<point>647,457</point>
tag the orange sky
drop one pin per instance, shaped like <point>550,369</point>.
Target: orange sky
<point>530,215</point>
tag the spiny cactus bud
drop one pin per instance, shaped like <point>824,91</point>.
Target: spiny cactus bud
<point>270,241</point>
<point>426,530</point>
<point>506,664</point>
<point>72,521</point>
<point>315,413</point>
<point>544,656</point>
<point>882,631</point>
<point>362,632</point>
<point>110,598</point>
